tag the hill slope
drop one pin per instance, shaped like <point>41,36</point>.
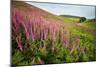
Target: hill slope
<point>29,9</point>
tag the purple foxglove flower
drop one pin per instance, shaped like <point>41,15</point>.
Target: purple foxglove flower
<point>26,31</point>
<point>32,34</point>
<point>18,40</point>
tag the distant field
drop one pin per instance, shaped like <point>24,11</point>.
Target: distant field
<point>69,19</point>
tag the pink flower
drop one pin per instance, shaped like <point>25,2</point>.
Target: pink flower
<point>18,40</point>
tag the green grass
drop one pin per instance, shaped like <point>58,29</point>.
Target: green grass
<point>87,45</point>
<point>87,39</point>
<point>69,19</point>
<point>90,24</point>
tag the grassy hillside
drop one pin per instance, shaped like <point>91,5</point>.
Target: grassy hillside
<point>69,18</point>
<point>39,37</point>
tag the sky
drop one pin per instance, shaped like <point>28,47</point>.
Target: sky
<point>67,9</point>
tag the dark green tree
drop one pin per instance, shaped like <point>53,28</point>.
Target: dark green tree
<point>82,19</point>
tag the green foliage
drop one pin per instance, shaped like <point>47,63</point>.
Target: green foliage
<point>82,19</point>
<point>41,52</point>
<point>87,47</point>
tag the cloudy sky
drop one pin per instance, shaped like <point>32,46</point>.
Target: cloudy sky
<point>67,9</point>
